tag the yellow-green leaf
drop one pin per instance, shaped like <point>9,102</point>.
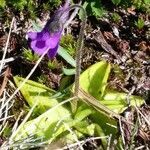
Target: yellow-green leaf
<point>35,92</point>
<point>118,102</point>
<point>94,79</point>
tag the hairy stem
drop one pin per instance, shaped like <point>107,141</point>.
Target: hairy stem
<point>79,51</point>
<point>79,47</point>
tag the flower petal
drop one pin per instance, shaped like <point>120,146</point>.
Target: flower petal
<point>53,41</point>
<point>50,36</point>
<point>32,35</point>
<point>39,47</point>
<point>63,13</point>
<point>43,35</point>
<point>52,52</point>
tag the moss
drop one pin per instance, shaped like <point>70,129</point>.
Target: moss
<point>69,44</point>
<point>28,55</point>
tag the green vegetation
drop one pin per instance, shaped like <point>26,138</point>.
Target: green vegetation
<point>28,55</point>
<point>53,64</point>
<point>116,2</point>
<point>94,82</point>
<point>29,6</point>
<point>68,42</point>
<point>94,8</point>
<point>140,23</point>
<point>116,18</point>
<point>143,5</point>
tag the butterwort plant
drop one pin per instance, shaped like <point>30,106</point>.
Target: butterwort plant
<point>50,35</point>
<point>48,39</point>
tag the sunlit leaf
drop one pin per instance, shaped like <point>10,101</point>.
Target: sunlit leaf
<point>83,111</point>
<point>50,124</point>
<point>94,82</point>
<point>69,71</point>
<point>65,55</point>
<point>35,92</point>
<point>47,126</point>
<point>53,123</point>
<point>106,123</point>
<point>94,79</point>
<point>118,102</point>
<point>2,3</point>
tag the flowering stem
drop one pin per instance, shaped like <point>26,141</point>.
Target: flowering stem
<point>79,50</point>
<point>79,47</point>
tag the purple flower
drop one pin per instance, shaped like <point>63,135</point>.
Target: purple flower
<point>50,35</point>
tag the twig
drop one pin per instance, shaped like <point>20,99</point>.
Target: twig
<point>99,38</point>
<point>23,122</point>
<point>145,118</point>
<point>85,97</point>
<point>83,142</point>
<point>140,147</point>
<point>8,60</point>
<point>7,117</point>
<point>5,50</point>
<point>74,135</point>
<point>72,16</point>
<point>6,74</point>
<point>122,132</point>
<point>16,123</point>
<point>109,142</point>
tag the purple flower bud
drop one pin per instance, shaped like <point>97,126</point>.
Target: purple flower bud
<point>50,35</point>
